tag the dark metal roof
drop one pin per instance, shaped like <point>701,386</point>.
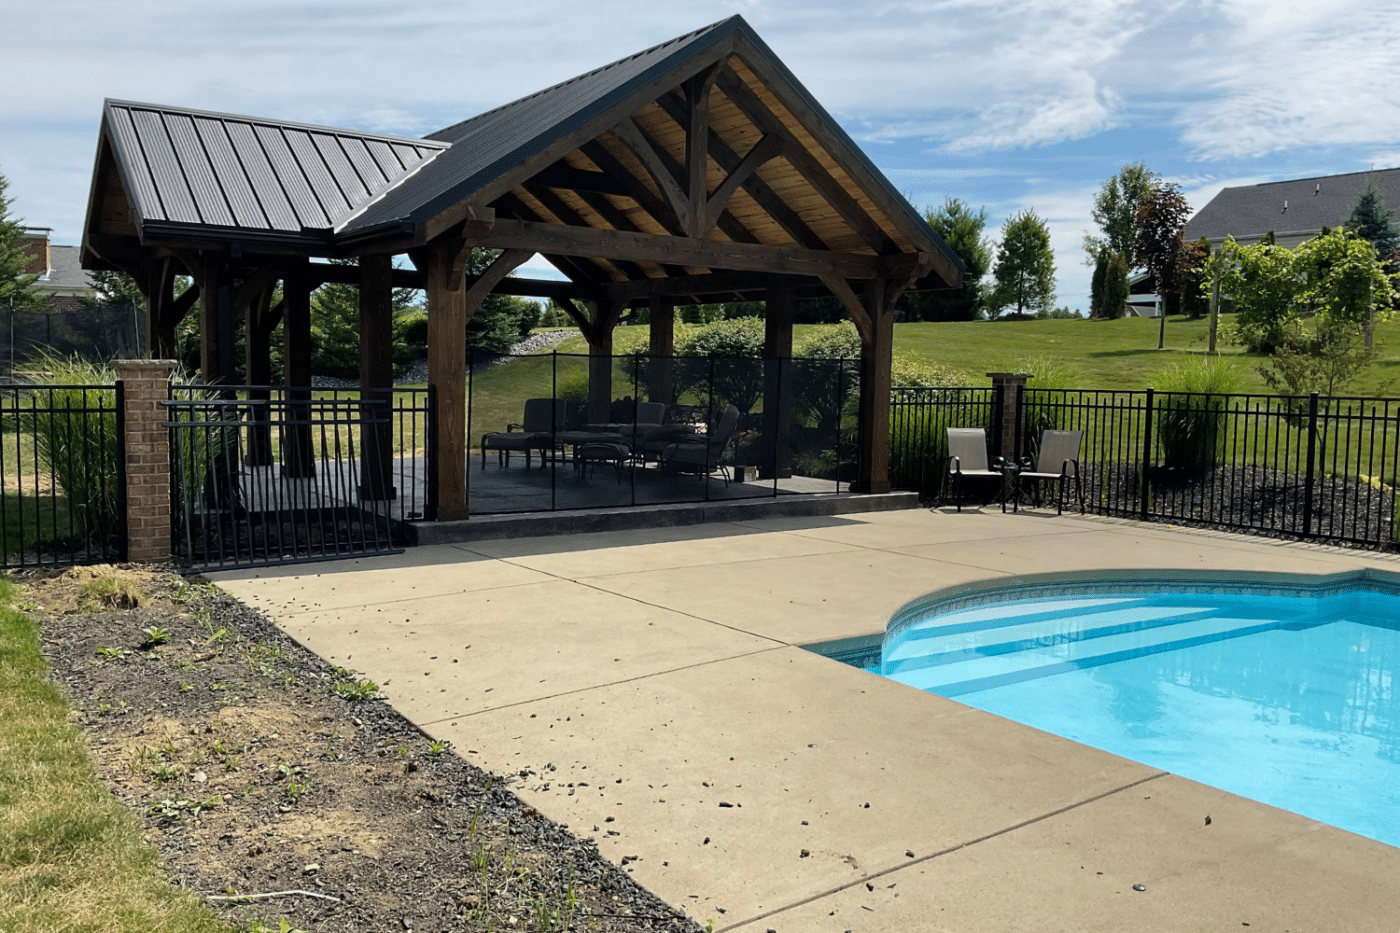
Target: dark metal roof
<point>490,143</point>
<point>1311,204</point>
<point>221,170</point>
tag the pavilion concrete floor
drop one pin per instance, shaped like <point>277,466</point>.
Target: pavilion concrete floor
<point>651,684</point>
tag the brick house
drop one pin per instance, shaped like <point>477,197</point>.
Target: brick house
<point>62,280</point>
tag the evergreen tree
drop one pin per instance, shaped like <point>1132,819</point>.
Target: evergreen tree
<point>1115,287</point>
<point>17,287</point>
<point>962,229</point>
<point>1372,221</point>
<point>1097,283</point>
<point>1025,271</point>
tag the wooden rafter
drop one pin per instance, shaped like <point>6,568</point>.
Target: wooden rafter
<point>580,269</point>
<point>807,166</point>
<point>769,147</point>
<point>659,209</point>
<point>655,161</point>
<point>502,266</point>
<point>570,217</point>
<point>762,193</point>
<point>697,149</point>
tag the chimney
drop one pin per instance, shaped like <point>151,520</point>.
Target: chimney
<point>36,244</point>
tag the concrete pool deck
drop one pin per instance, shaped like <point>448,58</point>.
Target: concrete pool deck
<point>647,688</point>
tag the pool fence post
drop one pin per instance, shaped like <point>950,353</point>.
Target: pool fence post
<point>1143,473</point>
<point>1310,476</point>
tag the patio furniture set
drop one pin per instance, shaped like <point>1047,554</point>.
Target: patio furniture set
<point>1057,462</point>
<point>675,447</point>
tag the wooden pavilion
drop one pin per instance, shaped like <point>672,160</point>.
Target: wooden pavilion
<point>696,170</point>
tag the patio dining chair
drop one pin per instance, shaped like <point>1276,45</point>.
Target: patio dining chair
<point>1058,462</point>
<point>544,418</point>
<point>967,459</point>
<point>703,454</point>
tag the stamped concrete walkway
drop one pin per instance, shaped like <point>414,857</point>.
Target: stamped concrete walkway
<point>646,688</point>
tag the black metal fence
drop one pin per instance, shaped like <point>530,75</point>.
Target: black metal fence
<point>60,475</point>
<point>919,419</point>
<point>1312,467</point>
<point>657,431</point>
<point>96,332</point>
<point>266,475</point>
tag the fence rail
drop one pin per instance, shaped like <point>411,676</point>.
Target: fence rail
<point>1312,467</point>
<point>60,479</point>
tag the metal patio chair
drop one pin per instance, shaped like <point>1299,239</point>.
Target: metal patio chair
<point>967,457</point>
<point>1058,462</point>
<point>544,418</point>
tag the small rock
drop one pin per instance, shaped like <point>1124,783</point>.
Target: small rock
<point>1207,819</point>
<point>311,869</point>
<point>1139,887</point>
<point>909,853</point>
<point>199,777</point>
<point>726,805</point>
<point>706,842</point>
<point>805,853</point>
<point>407,923</point>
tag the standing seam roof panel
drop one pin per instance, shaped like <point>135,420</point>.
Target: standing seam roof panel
<point>145,197</point>
<point>242,199</point>
<point>322,183</point>
<point>269,188</point>
<point>169,180</point>
<point>303,199</point>
<point>364,163</point>
<point>208,195</point>
<point>408,155</point>
<point>351,186</point>
<point>384,157</point>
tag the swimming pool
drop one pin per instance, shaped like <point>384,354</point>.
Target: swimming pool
<point>1280,689</point>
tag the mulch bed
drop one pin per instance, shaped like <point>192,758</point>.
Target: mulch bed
<point>256,771</point>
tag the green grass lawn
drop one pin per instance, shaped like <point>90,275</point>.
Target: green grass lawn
<point>71,856</point>
<point>1119,354</point>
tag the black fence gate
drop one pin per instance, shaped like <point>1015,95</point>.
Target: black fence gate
<point>276,475</point>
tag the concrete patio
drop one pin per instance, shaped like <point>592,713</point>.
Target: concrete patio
<point>647,688</point>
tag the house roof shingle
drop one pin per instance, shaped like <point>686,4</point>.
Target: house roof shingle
<point>1297,206</point>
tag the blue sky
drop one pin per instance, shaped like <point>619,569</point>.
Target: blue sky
<point>1007,105</point>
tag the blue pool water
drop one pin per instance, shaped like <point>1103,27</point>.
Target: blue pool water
<point>1287,696</point>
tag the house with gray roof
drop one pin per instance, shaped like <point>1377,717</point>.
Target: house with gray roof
<point>63,282</point>
<point>1296,210</point>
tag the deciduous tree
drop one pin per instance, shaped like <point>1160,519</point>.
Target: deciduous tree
<point>1115,211</point>
<point>1025,270</point>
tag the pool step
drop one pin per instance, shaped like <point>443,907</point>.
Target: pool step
<point>981,672</point>
<point>939,646</point>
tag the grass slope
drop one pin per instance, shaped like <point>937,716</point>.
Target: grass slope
<point>71,856</point>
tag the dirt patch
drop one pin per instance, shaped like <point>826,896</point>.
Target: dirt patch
<point>257,769</point>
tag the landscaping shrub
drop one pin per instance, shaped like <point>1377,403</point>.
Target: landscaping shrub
<point>1190,416</point>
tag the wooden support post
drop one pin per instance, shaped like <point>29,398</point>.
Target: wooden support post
<point>661,373</point>
<point>257,363</point>
<point>777,385</point>
<point>376,377</point>
<point>603,317</point>
<point>215,321</point>
<point>298,456</point>
<point>876,357</point>
<point>160,298</point>
<point>447,373</point>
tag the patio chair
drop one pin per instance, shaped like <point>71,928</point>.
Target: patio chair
<point>967,458</point>
<point>703,453</point>
<point>543,418</point>
<point>1058,461</point>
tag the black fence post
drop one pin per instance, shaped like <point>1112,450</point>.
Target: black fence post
<point>1146,466</point>
<point>430,505</point>
<point>1020,423</point>
<point>123,547</point>
<point>1310,475</point>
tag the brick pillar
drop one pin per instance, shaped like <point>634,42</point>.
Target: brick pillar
<point>1010,384</point>
<point>146,469</point>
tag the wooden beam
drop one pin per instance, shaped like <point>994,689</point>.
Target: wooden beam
<point>585,272</point>
<point>501,267</point>
<point>659,210</point>
<point>762,193</point>
<point>876,359</point>
<point>632,136</point>
<point>376,378</point>
<point>299,457</point>
<point>715,283</point>
<point>661,379</point>
<point>777,385</point>
<point>616,218</point>
<point>767,148</point>
<point>566,177</point>
<point>697,148</point>
<point>806,164</point>
<point>583,320</point>
<point>447,374</point>
<point>570,217</point>
<point>585,241</point>
<point>853,305</point>
<point>589,129</point>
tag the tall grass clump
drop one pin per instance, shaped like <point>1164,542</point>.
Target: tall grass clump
<point>1045,412</point>
<point>71,417</point>
<point>1190,415</point>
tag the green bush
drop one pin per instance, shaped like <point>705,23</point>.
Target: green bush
<point>720,362</point>
<point>822,388</point>
<point>1190,413</point>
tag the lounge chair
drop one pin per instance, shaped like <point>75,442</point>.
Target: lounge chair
<point>1058,461</point>
<point>703,453</point>
<point>544,418</point>
<point>967,458</point>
